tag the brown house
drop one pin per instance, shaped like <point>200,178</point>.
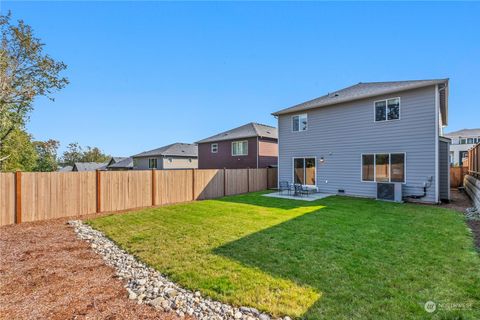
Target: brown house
<point>252,145</point>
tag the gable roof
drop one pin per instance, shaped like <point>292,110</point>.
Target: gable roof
<point>89,166</point>
<point>365,90</point>
<point>248,130</point>
<point>114,160</point>
<point>463,133</point>
<point>126,162</point>
<point>65,169</point>
<point>175,149</point>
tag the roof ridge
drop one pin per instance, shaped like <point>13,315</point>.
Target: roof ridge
<point>412,80</point>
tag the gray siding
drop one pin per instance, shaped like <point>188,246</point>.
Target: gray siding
<point>444,170</point>
<point>341,133</point>
<point>141,163</point>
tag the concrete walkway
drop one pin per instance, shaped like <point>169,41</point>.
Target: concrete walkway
<point>310,197</point>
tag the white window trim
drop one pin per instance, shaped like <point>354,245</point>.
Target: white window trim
<point>216,148</point>
<point>156,162</point>
<point>298,115</point>
<point>293,170</point>
<point>240,155</point>
<point>386,113</point>
<point>389,167</point>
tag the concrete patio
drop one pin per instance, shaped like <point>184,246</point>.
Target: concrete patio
<point>310,197</point>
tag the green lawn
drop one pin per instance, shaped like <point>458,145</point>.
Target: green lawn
<point>335,258</point>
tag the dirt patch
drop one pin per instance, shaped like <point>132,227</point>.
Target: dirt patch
<point>459,201</point>
<point>46,272</point>
<point>475,226</point>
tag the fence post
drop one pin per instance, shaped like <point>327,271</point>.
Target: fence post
<point>154,187</point>
<point>18,197</point>
<point>193,184</point>
<point>248,180</point>
<point>98,185</point>
<point>224,182</point>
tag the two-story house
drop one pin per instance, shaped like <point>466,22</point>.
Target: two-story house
<point>252,145</point>
<point>173,156</point>
<point>350,140</point>
<point>462,141</point>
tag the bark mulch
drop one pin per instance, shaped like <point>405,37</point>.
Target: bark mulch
<point>46,273</point>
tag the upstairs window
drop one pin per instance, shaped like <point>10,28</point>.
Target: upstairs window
<point>240,148</point>
<point>463,141</point>
<point>214,147</point>
<point>386,110</point>
<point>470,140</point>
<point>299,123</point>
<point>152,163</point>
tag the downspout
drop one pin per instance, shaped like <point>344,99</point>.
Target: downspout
<point>437,158</point>
<point>258,151</point>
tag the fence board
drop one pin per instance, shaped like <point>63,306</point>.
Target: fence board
<point>456,176</point>
<point>272,178</point>
<point>47,195</point>
<point>121,190</point>
<point>208,184</point>
<point>7,198</point>
<point>174,186</point>
<point>257,180</point>
<point>236,181</point>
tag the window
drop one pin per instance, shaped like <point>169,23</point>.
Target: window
<point>387,109</point>
<point>463,141</point>
<point>304,171</point>
<point>470,140</point>
<point>383,167</point>
<point>299,123</point>
<point>368,170</point>
<point>214,147</point>
<point>152,163</point>
<point>452,157</point>
<point>240,148</point>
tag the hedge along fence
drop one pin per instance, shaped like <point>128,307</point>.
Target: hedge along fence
<point>34,196</point>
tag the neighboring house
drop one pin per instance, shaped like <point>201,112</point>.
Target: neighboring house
<point>123,164</point>
<point>173,156</point>
<point>462,141</point>
<point>114,160</point>
<point>252,145</point>
<point>89,166</point>
<point>65,169</point>
<point>346,141</point>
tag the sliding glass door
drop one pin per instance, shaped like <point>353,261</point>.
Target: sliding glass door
<point>304,171</point>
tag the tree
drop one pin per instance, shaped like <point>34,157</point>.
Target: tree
<point>75,153</point>
<point>26,73</point>
<point>94,155</point>
<point>18,152</point>
<point>47,155</point>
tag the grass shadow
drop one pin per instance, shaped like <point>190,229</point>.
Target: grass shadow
<point>366,258</point>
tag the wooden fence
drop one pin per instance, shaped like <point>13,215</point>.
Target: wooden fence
<point>456,176</point>
<point>34,196</point>
<point>474,161</point>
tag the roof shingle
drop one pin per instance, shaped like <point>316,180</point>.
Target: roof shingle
<point>248,130</point>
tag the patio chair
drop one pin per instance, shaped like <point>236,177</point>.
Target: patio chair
<point>285,186</point>
<point>303,190</point>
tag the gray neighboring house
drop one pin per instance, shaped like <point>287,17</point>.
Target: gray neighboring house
<point>121,164</point>
<point>462,141</point>
<point>346,141</point>
<point>65,169</point>
<point>89,166</point>
<point>173,156</point>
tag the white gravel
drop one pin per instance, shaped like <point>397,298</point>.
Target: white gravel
<point>146,285</point>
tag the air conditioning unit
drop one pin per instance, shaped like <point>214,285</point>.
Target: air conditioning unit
<point>389,191</point>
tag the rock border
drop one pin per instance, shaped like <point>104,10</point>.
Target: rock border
<point>148,286</point>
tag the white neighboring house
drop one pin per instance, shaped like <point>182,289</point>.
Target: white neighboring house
<point>462,141</point>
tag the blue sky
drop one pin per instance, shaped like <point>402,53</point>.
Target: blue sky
<point>145,74</point>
